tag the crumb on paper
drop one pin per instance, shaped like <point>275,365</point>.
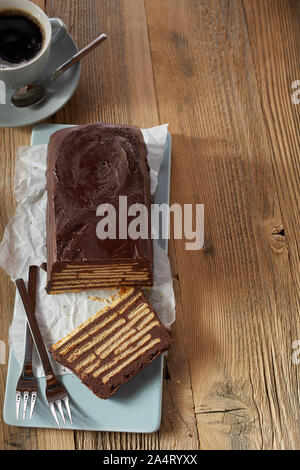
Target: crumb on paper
<point>97,299</point>
<point>123,290</point>
<point>110,298</point>
<point>178,381</point>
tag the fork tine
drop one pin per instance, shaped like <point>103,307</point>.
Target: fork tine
<point>67,403</point>
<point>33,400</point>
<point>59,406</point>
<point>25,401</point>
<point>52,408</point>
<point>18,401</point>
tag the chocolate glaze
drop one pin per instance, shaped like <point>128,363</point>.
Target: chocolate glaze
<point>87,166</point>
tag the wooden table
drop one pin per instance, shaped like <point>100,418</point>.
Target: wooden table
<point>221,73</point>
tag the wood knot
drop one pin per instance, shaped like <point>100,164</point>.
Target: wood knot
<point>278,238</point>
<point>208,249</point>
<point>167,373</point>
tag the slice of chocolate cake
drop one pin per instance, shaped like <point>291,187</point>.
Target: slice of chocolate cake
<point>112,346</point>
<point>88,166</point>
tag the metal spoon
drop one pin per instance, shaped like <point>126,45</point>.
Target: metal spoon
<point>36,92</point>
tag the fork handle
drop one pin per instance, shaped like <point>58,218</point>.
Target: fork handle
<point>28,348</point>
<point>34,327</point>
<point>32,281</point>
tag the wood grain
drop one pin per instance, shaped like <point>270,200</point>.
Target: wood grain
<point>117,79</point>
<point>220,72</point>
<point>244,310</point>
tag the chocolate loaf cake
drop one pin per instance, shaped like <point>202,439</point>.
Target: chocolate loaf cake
<point>116,343</point>
<point>87,166</point>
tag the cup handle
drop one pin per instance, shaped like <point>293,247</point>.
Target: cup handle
<point>59,29</point>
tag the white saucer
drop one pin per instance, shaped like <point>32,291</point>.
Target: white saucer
<point>58,93</point>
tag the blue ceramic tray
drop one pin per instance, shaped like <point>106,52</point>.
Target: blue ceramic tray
<point>136,407</point>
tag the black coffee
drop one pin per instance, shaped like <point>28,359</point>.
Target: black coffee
<point>21,38</point>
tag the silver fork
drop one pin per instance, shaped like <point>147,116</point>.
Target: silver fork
<point>55,391</point>
<point>27,383</point>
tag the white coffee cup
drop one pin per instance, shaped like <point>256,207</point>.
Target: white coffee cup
<point>53,30</point>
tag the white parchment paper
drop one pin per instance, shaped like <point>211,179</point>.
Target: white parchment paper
<point>23,244</point>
